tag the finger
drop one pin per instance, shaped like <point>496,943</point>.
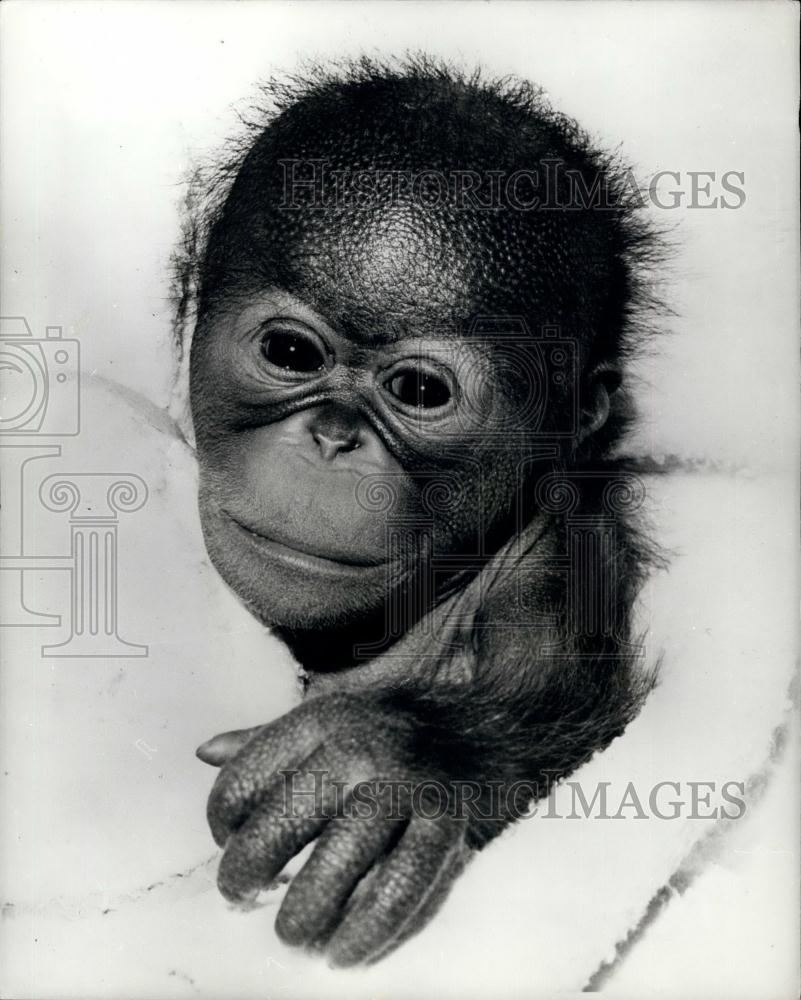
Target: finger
<point>399,888</point>
<point>221,748</point>
<point>437,895</point>
<point>246,779</point>
<point>343,853</point>
<point>286,820</point>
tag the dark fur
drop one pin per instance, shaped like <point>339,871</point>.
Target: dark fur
<point>527,714</point>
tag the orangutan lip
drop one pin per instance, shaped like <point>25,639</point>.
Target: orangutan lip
<point>300,557</point>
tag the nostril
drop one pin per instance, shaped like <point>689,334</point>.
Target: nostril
<point>336,430</point>
<point>331,445</point>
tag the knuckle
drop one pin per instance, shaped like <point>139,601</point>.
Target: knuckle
<point>224,797</point>
<point>227,805</point>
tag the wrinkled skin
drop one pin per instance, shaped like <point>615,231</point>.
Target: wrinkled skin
<point>285,456</point>
<point>371,879</point>
<point>314,327</point>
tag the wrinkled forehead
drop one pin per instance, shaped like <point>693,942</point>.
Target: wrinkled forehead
<point>400,268</point>
<point>391,272</point>
<point>369,224</point>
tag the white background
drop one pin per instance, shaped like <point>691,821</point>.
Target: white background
<point>105,106</point>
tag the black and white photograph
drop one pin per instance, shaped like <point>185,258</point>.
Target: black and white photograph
<point>399,544</point>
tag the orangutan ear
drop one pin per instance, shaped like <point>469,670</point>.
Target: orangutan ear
<point>601,384</point>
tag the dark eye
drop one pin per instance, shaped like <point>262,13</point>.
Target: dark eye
<point>414,387</point>
<point>292,352</point>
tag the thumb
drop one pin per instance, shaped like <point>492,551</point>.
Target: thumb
<point>221,748</point>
